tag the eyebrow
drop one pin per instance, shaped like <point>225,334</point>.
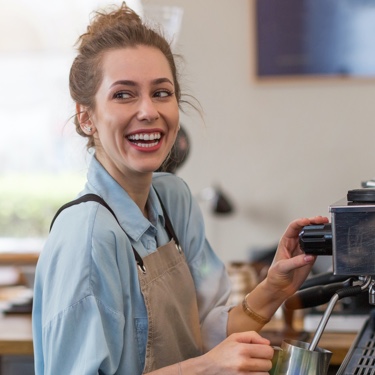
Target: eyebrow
<point>132,83</point>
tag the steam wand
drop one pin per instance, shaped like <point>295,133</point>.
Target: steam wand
<point>344,292</point>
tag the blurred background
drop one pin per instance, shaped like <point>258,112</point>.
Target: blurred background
<point>287,127</point>
<point>277,148</point>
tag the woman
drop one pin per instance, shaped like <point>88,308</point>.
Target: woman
<point>139,290</point>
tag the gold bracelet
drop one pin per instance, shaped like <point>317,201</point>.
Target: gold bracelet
<point>253,315</point>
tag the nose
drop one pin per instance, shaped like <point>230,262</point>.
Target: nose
<point>147,110</point>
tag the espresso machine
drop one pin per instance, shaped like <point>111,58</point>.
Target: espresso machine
<point>350,240</point>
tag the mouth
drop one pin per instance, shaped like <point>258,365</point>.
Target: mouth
<point>145,140</point>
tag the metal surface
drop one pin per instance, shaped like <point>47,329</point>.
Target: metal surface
<point>297,359</point>
<point>353,238</point>
<point>276,360</point>
<point>353,254</point>
<point>323,322</point>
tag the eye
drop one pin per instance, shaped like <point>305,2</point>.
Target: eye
<point>163,94</point>
<point>122,95</point>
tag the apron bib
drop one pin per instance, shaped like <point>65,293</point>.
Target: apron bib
<point>173,321</point>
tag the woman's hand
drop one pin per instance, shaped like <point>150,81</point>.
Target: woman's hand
<point>289,269</point>
<point>240,353</point>
<point>291,266</point>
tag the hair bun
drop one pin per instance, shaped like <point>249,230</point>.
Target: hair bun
<point>111,17</point>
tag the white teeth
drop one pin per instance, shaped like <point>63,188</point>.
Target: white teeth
<point>146,145</point>
<point>144,136</point>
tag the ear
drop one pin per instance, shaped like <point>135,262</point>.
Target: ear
<point>84,119</point>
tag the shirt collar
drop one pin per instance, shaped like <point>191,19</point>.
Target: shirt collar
<point>130,217</point>
<point>155,208</point>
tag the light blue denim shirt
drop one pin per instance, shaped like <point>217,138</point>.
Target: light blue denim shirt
<point>89,315</point>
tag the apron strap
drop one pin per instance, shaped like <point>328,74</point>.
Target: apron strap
<point>168,224</point>
<point>84,198</point>
<point>98,199</point>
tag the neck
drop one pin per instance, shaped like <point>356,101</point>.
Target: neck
<point>137,185</point>
<point>138,190</point>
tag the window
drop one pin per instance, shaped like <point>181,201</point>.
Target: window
<point>44,161</point>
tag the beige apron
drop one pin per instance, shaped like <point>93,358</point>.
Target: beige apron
<point>169,293</point>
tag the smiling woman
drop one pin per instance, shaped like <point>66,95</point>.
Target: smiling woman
<point>128,261</point>
<point>135,119</point>
<point>44,149</point>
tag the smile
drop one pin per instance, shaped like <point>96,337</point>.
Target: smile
<point>147,140</point>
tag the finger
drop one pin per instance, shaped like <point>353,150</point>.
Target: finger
<point>250,337</point>
<point>318,219</point>
<point>260,351</point>
<point>295,226</point>
<point>298,261</point>
<point>258,365</point>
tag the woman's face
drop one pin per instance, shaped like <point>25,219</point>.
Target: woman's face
<point>136,116</point>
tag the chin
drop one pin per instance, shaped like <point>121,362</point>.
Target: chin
<point>149,166</point>
<point>149,169</point>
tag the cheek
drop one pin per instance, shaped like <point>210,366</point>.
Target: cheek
<point>175,131</point>
<point>175,120</point>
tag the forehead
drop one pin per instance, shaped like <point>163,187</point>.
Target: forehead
<point>137,63</point>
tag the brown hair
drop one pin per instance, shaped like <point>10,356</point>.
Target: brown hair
<point>120,27</point>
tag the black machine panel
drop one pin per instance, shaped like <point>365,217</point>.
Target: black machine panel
<point>360,359</point>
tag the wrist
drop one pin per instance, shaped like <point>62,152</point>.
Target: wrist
<point>194,366</point>
<point>252,314</point>
<point>273,292</point>
<point>265,299</point>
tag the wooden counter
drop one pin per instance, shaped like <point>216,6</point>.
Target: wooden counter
<point>16,335</point>
<point>11,258</point>
<point>337,343</point>
<point>20,251</point>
